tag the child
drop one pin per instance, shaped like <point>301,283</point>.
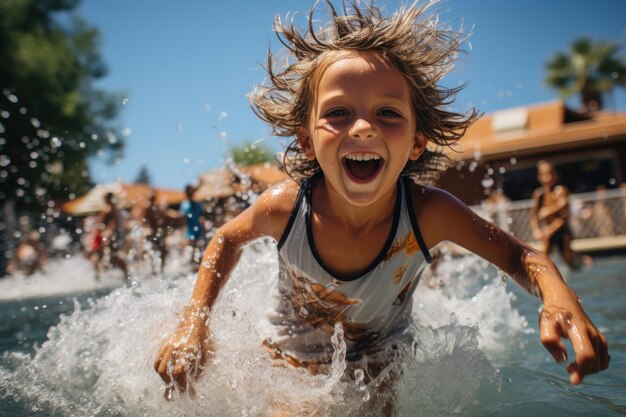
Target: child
<point>362,99</point>
<point>549,219</point>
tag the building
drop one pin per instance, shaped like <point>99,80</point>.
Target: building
<point>501,149</point>
<point>497,158</point>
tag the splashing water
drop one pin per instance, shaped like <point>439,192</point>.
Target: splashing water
<point>97,361</point>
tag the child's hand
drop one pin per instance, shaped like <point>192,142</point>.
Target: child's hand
<point>570,321</point>
<point>181,358</point>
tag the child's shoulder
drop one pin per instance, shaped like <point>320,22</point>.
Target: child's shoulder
<point>433,205</point>
<point>279,197</point>
<point>277,202</point>
<point>268,216</point>
<point>429,197</point>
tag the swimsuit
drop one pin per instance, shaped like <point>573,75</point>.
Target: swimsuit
<point>373,307</point>
<point>192,211</point>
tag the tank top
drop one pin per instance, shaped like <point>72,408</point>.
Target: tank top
<point>373,307</point>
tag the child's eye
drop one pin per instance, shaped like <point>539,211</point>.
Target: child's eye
<point>336,113</point>
<point>389,113</point>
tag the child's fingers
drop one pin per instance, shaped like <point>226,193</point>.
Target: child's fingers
<point>590,352</point>
<point>160,364</point>
<point>605,358</point>
<point>550,336</point>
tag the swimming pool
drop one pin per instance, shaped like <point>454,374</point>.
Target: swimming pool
<point>73,347</point>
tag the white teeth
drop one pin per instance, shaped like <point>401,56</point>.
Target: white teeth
<point>358,156</point>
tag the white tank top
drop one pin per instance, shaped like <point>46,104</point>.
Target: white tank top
<point>373,307</point>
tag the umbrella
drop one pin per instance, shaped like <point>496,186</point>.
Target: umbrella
<point>126,195</point>
<point>226,182</point>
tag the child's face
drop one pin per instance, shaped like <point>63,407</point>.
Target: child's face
<point>361,128</point>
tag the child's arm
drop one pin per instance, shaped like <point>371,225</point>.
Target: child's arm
<point>444,218</point>
<point>184,353</point>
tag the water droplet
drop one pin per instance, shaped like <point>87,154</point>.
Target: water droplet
<point>223,114</point>
<point>125,101</point>
<point>111,138</point>
<point>127,131</point>
<point>223,135</point>
<point>179,128</point>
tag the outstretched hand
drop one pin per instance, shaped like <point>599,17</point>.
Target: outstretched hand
<point>589,344</point>
<point>180,360</point>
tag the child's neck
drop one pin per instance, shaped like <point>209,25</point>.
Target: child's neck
<point>331,205</point>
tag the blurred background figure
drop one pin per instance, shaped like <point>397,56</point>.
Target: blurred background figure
<point>495,207</point>
<point>159,222</point>
<point>29,257</point>
<point>602,218</point>
<point>193,213</point>
<point>108,238</point>
<point>549,219</point>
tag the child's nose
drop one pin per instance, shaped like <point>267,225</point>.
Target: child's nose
<point>362,129</point>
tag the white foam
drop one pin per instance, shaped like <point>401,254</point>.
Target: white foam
<point>98,360</point>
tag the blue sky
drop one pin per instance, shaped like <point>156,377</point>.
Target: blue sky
<point>185,68</point>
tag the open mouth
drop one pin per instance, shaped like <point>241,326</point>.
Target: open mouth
<point>363,166</point>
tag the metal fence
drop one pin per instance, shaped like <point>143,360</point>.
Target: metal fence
<point>592,215</point>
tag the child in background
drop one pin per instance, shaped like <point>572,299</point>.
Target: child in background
<point>353,229</point>
<point>550,215</point>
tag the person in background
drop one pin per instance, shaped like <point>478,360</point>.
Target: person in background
<point>601,214</point>
<point>108,240</point>
<point>549,217</point>
<point>29,257</point>
<point>193,213</point>
<point>159,222</point>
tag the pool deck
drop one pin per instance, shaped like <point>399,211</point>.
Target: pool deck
<point>594,244</point>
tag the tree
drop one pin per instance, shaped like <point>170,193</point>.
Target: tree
<point>144,176</point>
<point>250,154</point>
<point>51,116</point>
<point>590,69</point>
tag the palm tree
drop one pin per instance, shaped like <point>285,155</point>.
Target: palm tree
<point>590,69</point>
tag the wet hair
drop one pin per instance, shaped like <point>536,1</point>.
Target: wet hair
<point>412,42</point>
<point>545,162</point>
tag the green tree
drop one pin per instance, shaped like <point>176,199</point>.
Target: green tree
<point>590,69</point>
<point>250,154</point>
<point>144,176</point>
<point>52,118</point>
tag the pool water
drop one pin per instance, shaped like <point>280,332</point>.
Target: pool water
<point>72,346</point>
